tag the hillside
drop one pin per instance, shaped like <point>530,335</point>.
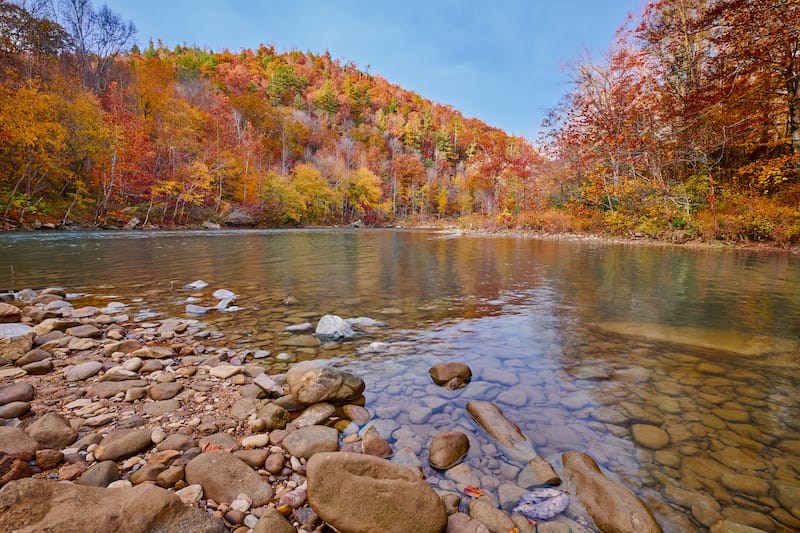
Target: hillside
<point>264,137</point>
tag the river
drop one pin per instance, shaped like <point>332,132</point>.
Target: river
<point>581,343</point>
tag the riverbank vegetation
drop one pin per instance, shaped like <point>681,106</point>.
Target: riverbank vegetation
<point>689,128</point>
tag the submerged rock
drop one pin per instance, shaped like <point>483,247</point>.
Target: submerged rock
<point>501,429</point>
<point>448,448</point>
<point>610,504</point>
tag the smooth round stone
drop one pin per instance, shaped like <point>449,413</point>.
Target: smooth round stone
<point>52,431</point>
<point>442,373</point>
<point>310,440</point>
<point>165,391</point>
<point>223,477</point>
<point>16,392</point>
<point>83,371</point>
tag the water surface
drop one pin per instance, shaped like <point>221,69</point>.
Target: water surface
<point>577,342</point>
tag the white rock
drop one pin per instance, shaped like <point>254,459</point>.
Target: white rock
<point>365,322</point>
<point>225,303</point>
<point>305,326</point>
<point>133,364</point>
<point>192,309</point>
<point>255,441</point>
<point>120,484</point>
<point>250,521</point>
<point>190,494</point>
<point>158,435</point>
<point>221,294</point>
<point>76,404</point>
<point>196,285</point>
<point>261,354</point>
<point>268,384</point>
<point>333,327</point>
<point>242,503</point>
<point>225,371</point>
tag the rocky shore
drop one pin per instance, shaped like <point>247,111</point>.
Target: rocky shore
<point>112,424</point>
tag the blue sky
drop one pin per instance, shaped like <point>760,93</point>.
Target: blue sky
<point>501,61</point>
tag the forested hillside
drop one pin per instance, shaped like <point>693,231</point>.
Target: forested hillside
<point>688,128</point>
<point>97,131</point>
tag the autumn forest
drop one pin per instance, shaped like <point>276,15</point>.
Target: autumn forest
<point>687,128</point>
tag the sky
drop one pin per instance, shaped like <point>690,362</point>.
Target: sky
<point>503,61</point>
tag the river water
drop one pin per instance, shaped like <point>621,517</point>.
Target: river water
<point>581,343</point>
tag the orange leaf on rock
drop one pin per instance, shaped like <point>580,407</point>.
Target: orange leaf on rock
<point>475,492</point>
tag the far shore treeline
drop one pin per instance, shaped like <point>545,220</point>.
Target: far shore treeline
<point>687,128</point>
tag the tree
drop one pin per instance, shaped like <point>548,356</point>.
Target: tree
<point>97,36</point>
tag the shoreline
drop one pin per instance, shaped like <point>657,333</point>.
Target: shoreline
<point>454,230</point>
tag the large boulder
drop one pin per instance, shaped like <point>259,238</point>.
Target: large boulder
<point>506,433</point>
<point>224,476</point>
<point>34,505</point>
<point>610,504</point>
<point>311,383</point>
<point>52,431</point>
<point>447,448</point>
<point>15,340</point>
<point>333,327</point>
<point>366,494</point>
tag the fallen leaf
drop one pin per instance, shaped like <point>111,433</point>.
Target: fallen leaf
<point>210,447</point>
<point>475,492</point>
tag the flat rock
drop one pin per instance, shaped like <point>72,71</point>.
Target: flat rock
<point>84,331</point>
<point>34,505</point>
<point>223,477</point>
<point>38,368</point>
<point>123,443</point>
<point>378,495</point>
<point>611,505</point>
<point>649,436</point>
<point>501,429</point>
<point>374,444</point>
<point>52,430</point>
<point>16,392</point>
<point>315,414</point>
<point>165,391</point>
<point>161,407</point>
<point>225,371</point>
<point>112,388</point>
<point>310,440</point>
<point>448,448</point>
<point>495,520</point>
<point>83,371</point>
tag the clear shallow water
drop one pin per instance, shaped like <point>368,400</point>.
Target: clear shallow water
<point>576,341</point>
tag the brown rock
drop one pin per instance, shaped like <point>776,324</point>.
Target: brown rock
<point>441,373</point>
<point>448,448</point>
<point>171,476</point>
<point>17,443</point>
<point>12,468</point>
<point>123,443</point>
<point>177,441</point>
<point>274,463</point>
<point>495,520</point>
<point>538,472</point>
<point>375,444</point>
<point>506,433</point>
<point>33,505</point>
<point>309,440</point>
<point>274,416</point>
<point>100,474</point>
<point>612,506</point>
<point>223,477</point>
<point>378,495</point>
<point>273,521</point>
<point>15,340</point>
<point>165,391</point>
<point>49,459</point>
<point>52,431</point>
<point>14,409</point>
<point>254,458</point>
<point>16,392</point>
<point>9,313</point>
<point>84,331</point>
<point>38,368</point>
<point>310,383</point>
<point>71,471</point>
<point>32,357</point>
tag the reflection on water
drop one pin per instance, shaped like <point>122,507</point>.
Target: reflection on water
<point>579,343</point>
